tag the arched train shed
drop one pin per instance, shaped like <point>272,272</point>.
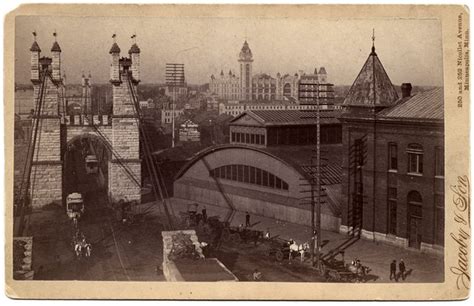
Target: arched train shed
<point>264,181</point>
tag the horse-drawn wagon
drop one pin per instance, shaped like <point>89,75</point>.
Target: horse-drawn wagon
<point>338,271</point>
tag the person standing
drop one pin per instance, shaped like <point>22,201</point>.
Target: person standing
<point>402,268</point>
<point>393,270</point>
<point>247,219</point>
<point>204,215</point>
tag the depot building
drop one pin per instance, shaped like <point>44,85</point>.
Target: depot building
<point>264,176</point>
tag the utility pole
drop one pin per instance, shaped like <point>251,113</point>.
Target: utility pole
<point>309,93</point>
<point>174,78</point>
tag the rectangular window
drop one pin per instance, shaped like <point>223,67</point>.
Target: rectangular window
<point>240,173</point>
<point>233,137</point>
<point>392,156</point>
<point>271,180</point>
<point>278,183</point>
<point>252,138</point>
<point>247,138</point>
<point>246,174</point>
<point>415,163</point>
<point>237,137</point>
<point>262,139</point>
<point>439,161</point>
<point>252,175</point>
<point>285,185</point>
<point>392,211</point>
<point>228,172</point>
<point>258,180</point>
<point>234,172</point>
<point>265,178</point>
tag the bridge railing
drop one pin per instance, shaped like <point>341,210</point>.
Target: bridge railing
<point>87,120</point>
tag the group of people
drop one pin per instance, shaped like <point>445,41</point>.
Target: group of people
<point>194,214</point>
<point>401,268</point>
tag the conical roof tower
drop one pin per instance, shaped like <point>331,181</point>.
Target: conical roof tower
<point>372,87</point>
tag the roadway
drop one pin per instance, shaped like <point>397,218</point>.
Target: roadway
<point>120,252</point>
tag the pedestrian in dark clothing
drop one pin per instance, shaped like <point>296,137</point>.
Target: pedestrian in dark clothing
<point>204,214</point>
<point>247,219</point>
<point>402,268</point>
<point>393,270</point>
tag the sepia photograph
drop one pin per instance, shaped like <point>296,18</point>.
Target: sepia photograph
<point>242,147</point>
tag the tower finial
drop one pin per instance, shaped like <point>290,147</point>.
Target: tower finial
<point>34,35</point>
<point>55,35</point>
<point>114,36</point>
<point>134,38</point>
<point>373,41</point>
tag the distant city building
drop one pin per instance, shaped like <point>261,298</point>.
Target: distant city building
<point>235,108</point>
<point>212,103</point>
<point>178,91</point>
<point>147,104</point>
<point>225,86</point>
<point>262,86</point>
<point>167,115</point>
<point>188,131</point>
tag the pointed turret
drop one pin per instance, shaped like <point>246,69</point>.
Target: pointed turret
<point>114,49</point>
<point>35,55</point>
<point>372,87</point>
<point>56,57</point>
<point>134,53</point>
<point>245,53</point>
<point>115,66</point>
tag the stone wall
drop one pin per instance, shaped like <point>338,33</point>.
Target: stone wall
<point>46,174</point>
<point>125,140</point>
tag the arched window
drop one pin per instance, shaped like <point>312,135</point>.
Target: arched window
<point>415,158</point>
<point>249,175</point>
<point>287,90</point>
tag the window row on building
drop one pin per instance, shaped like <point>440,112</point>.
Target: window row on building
<point>415,159</point>
<point>249,138</point>
<point>249,175</point>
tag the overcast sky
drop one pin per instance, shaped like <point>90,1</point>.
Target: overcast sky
<point>410,50</point>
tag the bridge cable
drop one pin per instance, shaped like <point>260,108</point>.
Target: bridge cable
<point>148,156</point>
<point>26,180</point>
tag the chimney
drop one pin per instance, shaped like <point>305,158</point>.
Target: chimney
<point>406,90</point>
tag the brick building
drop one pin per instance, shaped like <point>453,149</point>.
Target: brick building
<point>393,162</point>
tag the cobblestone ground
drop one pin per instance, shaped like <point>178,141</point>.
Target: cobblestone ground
<point>422,267</point>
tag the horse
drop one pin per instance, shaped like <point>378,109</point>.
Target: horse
<point>298,248</point>
<point>78,249</point>
<point>87,249</point>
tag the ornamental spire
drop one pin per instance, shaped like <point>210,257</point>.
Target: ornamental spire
<point>373,41</point>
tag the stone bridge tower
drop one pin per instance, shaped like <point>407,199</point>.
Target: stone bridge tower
<point>46,171</point>
<point>124,77</point>
<point>121,135</point>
